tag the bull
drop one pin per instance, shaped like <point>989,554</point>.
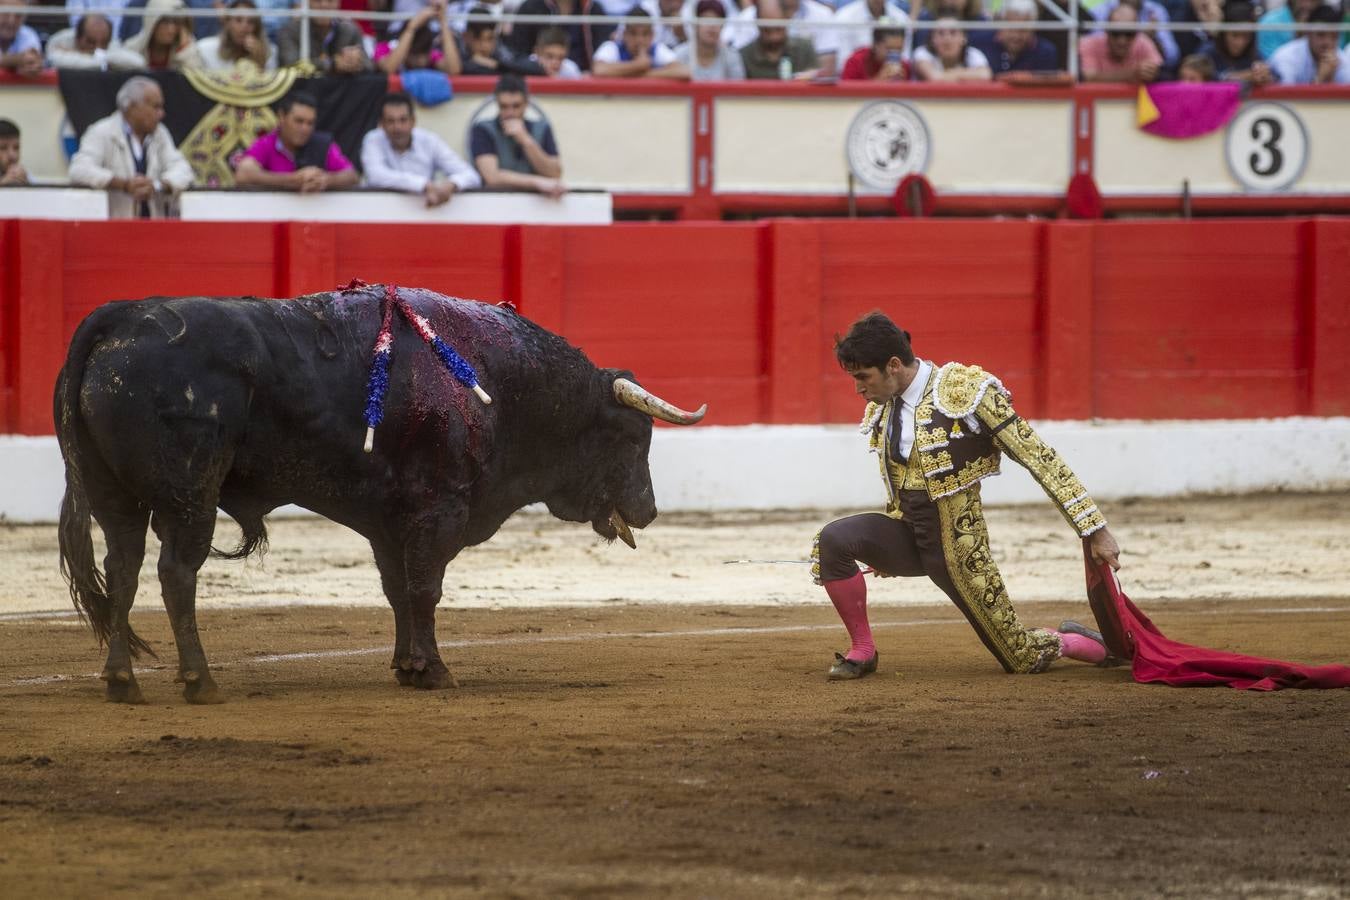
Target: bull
<point>168,409</point>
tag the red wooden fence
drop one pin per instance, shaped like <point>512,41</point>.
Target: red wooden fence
<point>1176,320</point>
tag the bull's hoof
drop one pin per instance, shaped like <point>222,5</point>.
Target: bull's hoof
<point>404,677</point>
<point>200,688</point>
<point>122,687</point>
<point>435,677</point>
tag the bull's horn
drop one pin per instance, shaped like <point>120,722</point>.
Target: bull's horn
<point>630,394</point>
<point>625,534</point>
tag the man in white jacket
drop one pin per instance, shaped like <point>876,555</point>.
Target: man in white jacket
<point>131,156</point>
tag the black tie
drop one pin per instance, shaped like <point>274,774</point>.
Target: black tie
<point>142,164</point>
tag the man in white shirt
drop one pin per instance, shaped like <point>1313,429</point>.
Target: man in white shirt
<point>743,31</point>
<point>91,45</point>
<point>1313,59</point>
<point>836,45</point>
<point>399,156</point>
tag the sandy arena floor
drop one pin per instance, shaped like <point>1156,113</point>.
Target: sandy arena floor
<point>657,724</point>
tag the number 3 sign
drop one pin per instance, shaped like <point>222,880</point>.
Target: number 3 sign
<point>1267,147</point>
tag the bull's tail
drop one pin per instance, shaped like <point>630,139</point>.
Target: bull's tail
<point>254,538</point>
<point>88,585</point>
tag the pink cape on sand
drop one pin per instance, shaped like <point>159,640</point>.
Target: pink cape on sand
<point>1155,657</point>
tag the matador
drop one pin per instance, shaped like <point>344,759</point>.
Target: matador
<point>938,431</point>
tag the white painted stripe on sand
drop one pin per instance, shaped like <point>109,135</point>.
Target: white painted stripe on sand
<point>619,635</point>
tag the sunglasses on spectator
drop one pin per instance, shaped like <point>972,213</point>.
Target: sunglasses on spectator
<point>1125,34</point>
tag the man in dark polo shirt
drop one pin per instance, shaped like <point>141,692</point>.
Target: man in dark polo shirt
<point>1016,49</point>
<point>765,56</point>
<point>513,153</point>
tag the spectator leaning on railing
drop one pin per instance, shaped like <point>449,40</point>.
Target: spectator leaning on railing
<point>883,61</point>
<point>1017,49</point>
<point>295,157</point>
<point>803,13</point>
<point>586,38</point>
<point>773,54</point>
<point>399,156</point>
<point>336,46</point>
<point>241,38</point>
<point>130,155</point>
<point>426,41</point>
<point>706,57</point>
<point>1205,13</point>
<point>12,173</point>
<point>948,56</point>
<point>1196,69</point>
<point>1314,59</point>
<point>631,53</point>
<point>1148,12</point>
<point>202,27</point>
<point>961,10</point>
<point>20,46</point>
<point>682,32</point>
<point>110,9</point>
<point>513,153</point>
<point>484,53</point>
<point>90,45</point>
<point>550,54</point>
<point>1119,55</point>
<point>838,44</point>
<point>1234,53</point>
<point>166,41</point>
<point>1289,13</point>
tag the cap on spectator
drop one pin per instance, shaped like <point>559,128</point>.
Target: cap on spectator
<point>710,8</point>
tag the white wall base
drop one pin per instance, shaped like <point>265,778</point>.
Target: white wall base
<point>810,466</point>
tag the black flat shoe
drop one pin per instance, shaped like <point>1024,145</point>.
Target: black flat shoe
<point>848,670</point>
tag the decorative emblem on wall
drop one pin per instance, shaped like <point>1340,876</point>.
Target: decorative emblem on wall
<point>886,141</point>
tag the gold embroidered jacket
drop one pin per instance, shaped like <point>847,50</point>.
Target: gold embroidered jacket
<point>963,423</point>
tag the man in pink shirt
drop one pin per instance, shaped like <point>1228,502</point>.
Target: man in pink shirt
<point>295,157</point>
<point>1119,55</point>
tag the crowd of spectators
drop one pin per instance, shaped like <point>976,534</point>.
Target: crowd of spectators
<point>131,155</point>
<point>853,41</point>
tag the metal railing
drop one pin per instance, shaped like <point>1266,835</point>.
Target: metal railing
<point>1063,20</point>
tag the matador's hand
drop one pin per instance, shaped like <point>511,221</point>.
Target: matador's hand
<point>1104,548</point>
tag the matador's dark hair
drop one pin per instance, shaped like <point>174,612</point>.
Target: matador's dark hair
<point>871,342</point>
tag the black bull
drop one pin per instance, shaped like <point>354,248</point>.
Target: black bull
<point>169,408</point>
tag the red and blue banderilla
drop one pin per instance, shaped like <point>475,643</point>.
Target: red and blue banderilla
<point>378,384</point>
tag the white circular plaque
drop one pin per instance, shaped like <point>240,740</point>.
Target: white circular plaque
<point>1266,147</point>
<point>886,141</point>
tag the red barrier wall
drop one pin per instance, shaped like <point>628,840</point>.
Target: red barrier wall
<point>1177,320</point>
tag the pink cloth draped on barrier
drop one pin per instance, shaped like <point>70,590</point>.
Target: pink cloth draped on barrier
<point>1155,657</point>
<point>1183,110</point>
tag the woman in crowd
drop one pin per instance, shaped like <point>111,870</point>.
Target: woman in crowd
<point>241,38</point>
<point>1235,54</point>
<point>166,41</point>
<point>948,56</point>
<point>963,10</point>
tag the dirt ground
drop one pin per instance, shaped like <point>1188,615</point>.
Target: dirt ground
<point>658,724</point>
